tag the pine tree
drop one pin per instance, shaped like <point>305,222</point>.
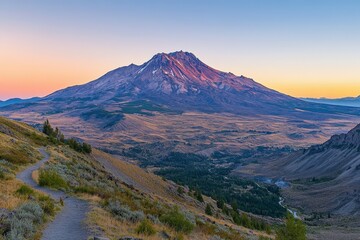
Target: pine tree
<point>47,129</point>
<point>198,196</point>
<point>220,203</point>
<point>208,210</point>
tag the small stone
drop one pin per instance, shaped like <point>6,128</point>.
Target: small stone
<point>101,238</point>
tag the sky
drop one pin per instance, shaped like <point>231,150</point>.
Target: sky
<point>304,48</point>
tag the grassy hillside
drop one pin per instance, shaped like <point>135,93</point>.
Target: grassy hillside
<point>18,148</point>
<point>125,199</point>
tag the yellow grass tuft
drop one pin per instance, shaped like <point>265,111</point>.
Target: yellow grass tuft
<point>8,198</point>
<point>35,176</point>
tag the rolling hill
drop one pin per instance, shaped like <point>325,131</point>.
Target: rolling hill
<point>18,100</point>
<point>347,101</point>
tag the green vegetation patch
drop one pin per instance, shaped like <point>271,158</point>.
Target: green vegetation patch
<point>145,228</point>
<point>52,179</point>
<point>25,190</point>
<point>176,220</point>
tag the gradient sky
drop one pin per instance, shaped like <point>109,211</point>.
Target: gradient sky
<point>302,48</point>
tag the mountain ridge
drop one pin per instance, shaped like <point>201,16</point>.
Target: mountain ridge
<point>174,73</point>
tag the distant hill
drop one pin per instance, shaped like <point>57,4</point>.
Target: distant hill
<point>347,101</point>
<point>18,100</point>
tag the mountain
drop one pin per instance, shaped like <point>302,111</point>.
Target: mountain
<point>18,100</point>
<point>174,83</point>
<point>347,101</point>
<point>181,82</point>
<point>328,172</point>
<point>177,102</point>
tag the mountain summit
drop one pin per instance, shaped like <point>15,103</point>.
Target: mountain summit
<point>174,73</point>
<point>181,81</point>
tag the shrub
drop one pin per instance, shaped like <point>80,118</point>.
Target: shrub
<point>2,174</point>
<point>145,228</point>
<point>47,204</point>
<point>52,179</point>
<point>25,190</point>
<point>22,223</point>
<point>123,213</point>
<point>215,237</point>
<point>294,229</point>
<point>153,219</point>
<point>180,190</point>
<point>86,189</point>
<point>176,220</point>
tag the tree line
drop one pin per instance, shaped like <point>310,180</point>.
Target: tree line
<point>56,136</point>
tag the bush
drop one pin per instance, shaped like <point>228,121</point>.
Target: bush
<point>177,221</point>
<point>47,204</point>
<point>22,223</point>
<point>145,228</point>
<point>86,189</point>
<point>52,179</point>
<point>294,229</point>
<point>25,190</point>
<point>123,213</point>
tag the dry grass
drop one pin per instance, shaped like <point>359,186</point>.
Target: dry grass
<point>8,198</point>
<point>136,176</point>
<point>205,132</point>
<point>113,228</point>
<point>165,192</point>
<point>35,176</point>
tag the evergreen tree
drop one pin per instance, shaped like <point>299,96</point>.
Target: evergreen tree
<point>198,196</point>
<point>47,129</point>
<point>220,203</point>
<point>56,137</point>
<point>234,205</point>
<point>208,210</point>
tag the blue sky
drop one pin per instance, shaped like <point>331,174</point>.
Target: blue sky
<point>302,48</point>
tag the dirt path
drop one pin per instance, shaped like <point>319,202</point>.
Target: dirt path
<point>69,223</point>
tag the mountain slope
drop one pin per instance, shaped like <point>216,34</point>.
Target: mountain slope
<point>329,173</point>
<point>120,199</point>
